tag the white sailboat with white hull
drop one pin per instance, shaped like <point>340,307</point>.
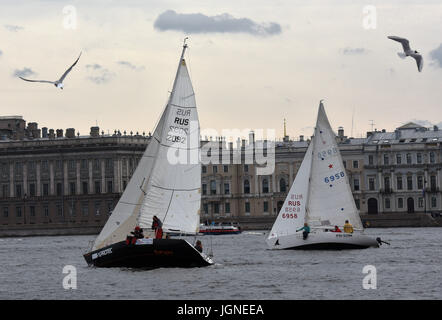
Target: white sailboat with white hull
<point>165,184</point>
<point>321,197</point>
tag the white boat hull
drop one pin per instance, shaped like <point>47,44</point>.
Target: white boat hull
<point>320,240</point>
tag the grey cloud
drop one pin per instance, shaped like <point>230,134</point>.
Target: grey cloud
<point>354,51</point>
<point>25,72</point>
<point>436,55</point>
<point>223,23</point>
<point>93,66</point>
<point>130,65</point>
<point>99,74</point>
<point>13,28</point>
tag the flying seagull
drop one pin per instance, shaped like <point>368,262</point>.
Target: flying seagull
<point>58,83</point>
<point>408,52</point>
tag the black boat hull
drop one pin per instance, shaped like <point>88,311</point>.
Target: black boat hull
<point>154,253</point>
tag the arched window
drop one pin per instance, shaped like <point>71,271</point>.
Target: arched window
<point>246,186</point>
<point>282,186</point>
<point>265,186</point>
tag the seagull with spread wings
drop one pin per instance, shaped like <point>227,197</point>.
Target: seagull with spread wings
<point>58,83</point>
<point>409,52</point>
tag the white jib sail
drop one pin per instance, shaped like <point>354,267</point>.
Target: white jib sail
<point>160,186</point>
<point>330,200</point>
<point>292,214</point>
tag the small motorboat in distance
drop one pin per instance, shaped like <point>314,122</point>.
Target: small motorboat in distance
<point>220,228</point>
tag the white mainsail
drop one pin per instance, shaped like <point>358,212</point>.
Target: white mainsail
<point>321,194</point>
<point>167,180</point>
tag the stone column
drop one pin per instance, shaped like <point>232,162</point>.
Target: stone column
<point>291,172</point>
<point>91,185</point>
<point>77,175</point>
<point>103,176</point>
<point>38,168</point>
<point>25,178</point>
<point>51,178</point>
<point>65,178</point>
<point>11,180</point>
<point>117,176</point>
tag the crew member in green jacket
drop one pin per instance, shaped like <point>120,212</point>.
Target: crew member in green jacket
<point>306,229</point>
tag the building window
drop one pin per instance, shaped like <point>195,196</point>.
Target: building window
<point>96,164</point>
<point>71,165</point>
<point>85,187</point>
<point>387,183</point>
<point>420,202</point>
<point>204,169</point>
<point>246,168</point>
<point>409,183</point>
<point>46,211</point>
<point>110,186</point>
<point>204,186</point>
<point>5,212</point>
<point>433,183</point>
<point>216,208</point>
<point>205,208</point>
<point>84,165</point>
<point>18,192</point>
<point>45,189</point>
<point>419,157</point>
<point>399,183</point>
<point>59,189</point>
<point>58,165</point>
<point>5,191</point>
<point>420,182</point>
<point>85,208</point>
<point>400,203</point>
<point>226,168</point>
<point>370,160</point>
<point>32,189</point>
<point>432,157</point>
<point>32,211</point>
<point>227,207</point>
<point>398,158</point>
<point>215,169</point>
<point>433,202</point>
<point>59,209</point>
<point>212,187</point>
<point>387,203</point>
<point>109,164</point>
<point>18,212</point>
<point>282,185</point>
<point>97,208</point>
<point>344,163</point>
<point>226,188</point>
<point>97,187</point>
<point>265,186</point>
<point>44,165</point>
<point>266,206</point>
<point>408,158</point>
<point>386,159</point>
<point>73,209</point>
<point>355,164</point>
<point>371,185</point>
<point>247,207</point>
<point>356,185</point>
<point>110,208</point>
<point>246,186</point>
<point>72,188</point>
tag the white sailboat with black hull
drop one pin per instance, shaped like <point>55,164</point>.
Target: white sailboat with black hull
<point>321,197</point>
<point>166,184</point>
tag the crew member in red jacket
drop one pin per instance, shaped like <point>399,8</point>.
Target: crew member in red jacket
<point>157,225</point>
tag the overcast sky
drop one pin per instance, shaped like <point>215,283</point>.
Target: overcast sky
<point>252,63</point>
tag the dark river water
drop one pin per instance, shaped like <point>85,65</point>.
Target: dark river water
<point>410,268</point>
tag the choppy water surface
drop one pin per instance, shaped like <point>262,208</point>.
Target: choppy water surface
<point>410,268</point>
